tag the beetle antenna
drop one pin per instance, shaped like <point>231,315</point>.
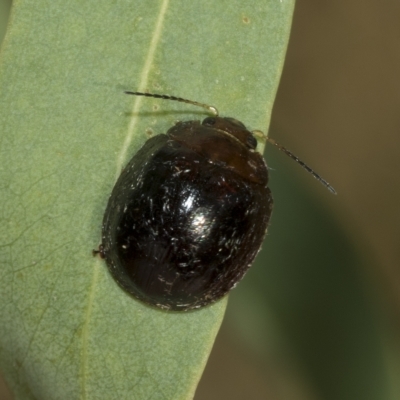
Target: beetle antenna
<point>303,164</point>
<point>212,109</point>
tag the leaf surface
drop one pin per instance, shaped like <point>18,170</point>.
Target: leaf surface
<point>67,331</point>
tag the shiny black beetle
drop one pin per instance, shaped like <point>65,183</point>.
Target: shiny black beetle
<point>189,213</point>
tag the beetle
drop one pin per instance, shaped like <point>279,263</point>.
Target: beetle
<point>188,214</point>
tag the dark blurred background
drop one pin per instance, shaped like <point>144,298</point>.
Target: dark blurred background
<point>318,315</point>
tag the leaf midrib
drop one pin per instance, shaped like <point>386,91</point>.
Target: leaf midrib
<point>155,38</point>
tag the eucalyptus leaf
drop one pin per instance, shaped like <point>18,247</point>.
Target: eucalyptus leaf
<point>67,330</point>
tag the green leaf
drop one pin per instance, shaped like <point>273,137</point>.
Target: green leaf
<point>67,330</point>
<point>4,13</point>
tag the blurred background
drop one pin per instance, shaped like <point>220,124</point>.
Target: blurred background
<point>318,315</point>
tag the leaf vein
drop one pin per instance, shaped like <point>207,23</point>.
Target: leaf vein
<point>143,83</point>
